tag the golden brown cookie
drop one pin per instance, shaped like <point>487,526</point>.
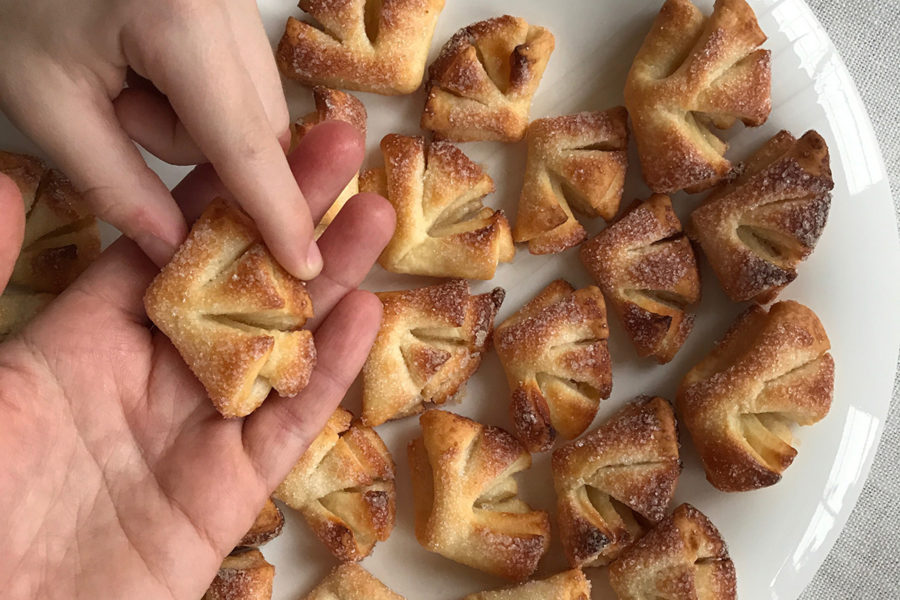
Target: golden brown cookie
<point>568,585</point>
<point>350,581</point>
<point>267,526</point>
<point>481,85</point>
<point>244,575</point>
<point>557,363</point>
<point>691,74</point>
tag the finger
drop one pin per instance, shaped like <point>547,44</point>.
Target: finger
<point>149,120</point>
<point>212,92</point>
<point>89,145</point>
<point>12,227</point>
<point>350,245</point>
<point>281,429</point>
<point>322,164</point>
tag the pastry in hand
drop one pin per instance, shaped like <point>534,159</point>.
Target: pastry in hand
<point>431,341</point>
<point>481,85</point>
<point>350,581</point>
<point>343,485</point>
<point>756,229</point>
<point>648,272</point>
<point>616,482</point>
<point>443,229</point>
<point>267,526</point>
<point>568,585</point>
<point>369,46</point>
<point>682,558</point>
<point>557,363</point>
<point>466,500</point>
<point>233,313</point>
<point>575,164</point>
<point>770,371</point>
<point>691,74</point>
<point>244,575</point>
<point>61,240</point>
<point>332,105</point>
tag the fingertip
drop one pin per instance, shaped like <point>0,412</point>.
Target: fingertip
<point>380,211</point>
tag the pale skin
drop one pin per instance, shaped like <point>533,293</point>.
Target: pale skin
<point>118,478</point>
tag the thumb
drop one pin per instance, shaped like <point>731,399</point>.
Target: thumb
<point>12,227</point>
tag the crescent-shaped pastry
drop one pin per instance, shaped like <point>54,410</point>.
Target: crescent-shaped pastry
<point>378,46</point>
<point>244,575</point>
<point>431,341</point>
<point>233,313</point>
<point>682,558</point>
<point>557,363</point>
<point>772,369</point>
<point>647,270</point>
<point>616,482</point>
<point>466,500</point>
<point>481,85</point>
<point>332,105</point>
<point>443,230</point>
<point>575,164</point>
<point>343,485</point>
<point>350,581</point>
<point>568,585</point>
<point>691,74</point>
<point>758,228</point>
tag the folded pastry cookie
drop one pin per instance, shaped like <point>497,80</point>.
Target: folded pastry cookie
<point>233,313</point>
<point>691,74</point>
<point>265,528</point>
<point>568,585</point>
<point>771,370</point>
<point>481,84</point>
<point>557,363</point>
<point>431,341</point>
<point>575,164</point>
<point>466,500</point>
<point>379,46</point>
<point>332,105</point>
<point>647,270</point>
<point>350,581</point>
<point>682,558</point>
<point>244,575</point>
<point>343,485</point>
<point>443,230</point>
<point>756,229</point>
<point>615,482</point>
<point>61,240</point>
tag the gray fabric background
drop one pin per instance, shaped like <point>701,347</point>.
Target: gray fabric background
<point>865,562</point>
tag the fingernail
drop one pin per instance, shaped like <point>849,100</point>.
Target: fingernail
<point>314,261</point>
<point>159,250</point>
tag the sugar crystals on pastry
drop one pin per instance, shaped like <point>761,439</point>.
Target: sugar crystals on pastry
<point>576,164</point>
<point>431,341</point>
<point>557,363</point>
<point>350,581</point>
<point>244,575</point>
<point>233,313</point>
<point>61,240</point>
<point>343,485</point>
<point>691,74</point>
<point>481,85</point>
<point>568,585</point>
<point>443,229</point>
<point>466,500</point>
<point>615,482</point>
<point>332,105</point>
<point>756,229</point>
<point>267,526</point>
<point>378,46</point>
<point>682,558</point>
<point>771,370</point>
<point>647,270</point>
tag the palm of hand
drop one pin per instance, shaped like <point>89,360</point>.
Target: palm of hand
<point>120,478</point>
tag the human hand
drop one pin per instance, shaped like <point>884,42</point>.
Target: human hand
<point>119,479</point>
<point>208,90</point>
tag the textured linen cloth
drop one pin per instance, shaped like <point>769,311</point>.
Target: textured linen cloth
<point>865,562</point>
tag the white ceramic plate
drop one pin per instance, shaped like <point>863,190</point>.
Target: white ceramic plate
<point>779,536</point>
